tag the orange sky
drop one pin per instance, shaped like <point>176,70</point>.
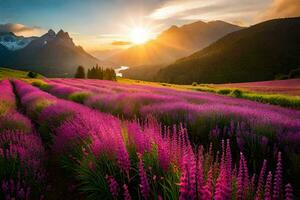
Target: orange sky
<point>102,24</point>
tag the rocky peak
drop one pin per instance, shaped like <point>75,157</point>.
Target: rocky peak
<point>63,35</point>
<point>64,39</point>
<point>51,32</point>
<point>49,35</point>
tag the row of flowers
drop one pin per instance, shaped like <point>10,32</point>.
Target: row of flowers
<point>22,155</point>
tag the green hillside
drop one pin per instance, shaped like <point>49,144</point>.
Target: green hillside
<point>11,73</point>
<point>260,52</point>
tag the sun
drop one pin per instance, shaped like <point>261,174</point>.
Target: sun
<point>139,35</point>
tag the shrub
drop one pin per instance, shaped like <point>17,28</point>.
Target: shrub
<point>275,99</point>
<point>236,93</point>
<point>32,74</point>
<point>79,97</point>
<point>224,91</point>
<point>42,85</point>
<point>205,89</point>
<point>194,84</point>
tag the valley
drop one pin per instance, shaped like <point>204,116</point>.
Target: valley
<point>150,100</point>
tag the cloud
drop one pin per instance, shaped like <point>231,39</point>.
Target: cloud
<point>282,8</point>
<point>229,10</point>
<point>20,29</point>
<point>121,43</point>
<point>173,8</point>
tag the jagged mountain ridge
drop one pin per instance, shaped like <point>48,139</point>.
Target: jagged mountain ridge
<point>51,54</point>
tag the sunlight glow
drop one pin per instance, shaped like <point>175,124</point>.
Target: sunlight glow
<point>139,35</point>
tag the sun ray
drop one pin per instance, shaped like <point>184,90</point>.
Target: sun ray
<point>139,35</point>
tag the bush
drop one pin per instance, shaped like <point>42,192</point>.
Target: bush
<point>194,84</point>
<point>224,91</point>
<point>42,85</point>
<point>32,74</point>
<point>275,99</point>
<point>236,93</point>
<point>205,89</point>
<point>79,97</point>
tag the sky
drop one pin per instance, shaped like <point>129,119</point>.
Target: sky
<point>107,24</point>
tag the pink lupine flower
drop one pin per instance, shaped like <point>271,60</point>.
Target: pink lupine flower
<point>228,158</point>
<point>243,177</point>
<point>261,180</point>
<point>163,154</point>
<point>240,182</point>
<point>200,170</point>
<point>144,184</point>
<point>222,162</point>
<point>268,187</point>
<point>252,183</point>
<point>246,173</point>
<point>277,178</point>
<point>21,193</point>
<point>123,157</point>
<point>205,193</point>
<point>139,138</point>
<point>113,186</point>
<point>4,186</point>
<point>222,187</point>
<point>188,179</point>
<point>126,193</point>
<point>288,192</point>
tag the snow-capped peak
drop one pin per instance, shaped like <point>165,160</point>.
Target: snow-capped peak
<point>13,42</point>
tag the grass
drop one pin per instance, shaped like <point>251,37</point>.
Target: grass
<point>12,73</point>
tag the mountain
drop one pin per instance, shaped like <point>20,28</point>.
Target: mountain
<point>174,43</point>
<point>51,54</point>
<point>3,51</point>
<point>105,54</point>
<point>260,52</point>
<point>13,42</point>
<point>142,72</point>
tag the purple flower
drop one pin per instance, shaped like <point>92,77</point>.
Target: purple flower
<point>126,193</point>
<point>268,187</point>
<point>144,184</point>
<point>261,179</point>
<point>123,157</point>
<point>113,186</point>
<point>188,176</point>
<point>138,137</point>
<point>288,192</point>
<point>277,178</point>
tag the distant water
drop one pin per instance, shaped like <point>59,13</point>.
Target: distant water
<point>121,68</point>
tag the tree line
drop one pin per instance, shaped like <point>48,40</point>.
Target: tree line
<point>96,73</point>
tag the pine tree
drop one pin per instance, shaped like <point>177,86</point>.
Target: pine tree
<point>80,73</point>
<point>101,74</point>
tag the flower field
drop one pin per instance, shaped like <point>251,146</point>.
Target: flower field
<point>125,141</point>
<point>290,86</point>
